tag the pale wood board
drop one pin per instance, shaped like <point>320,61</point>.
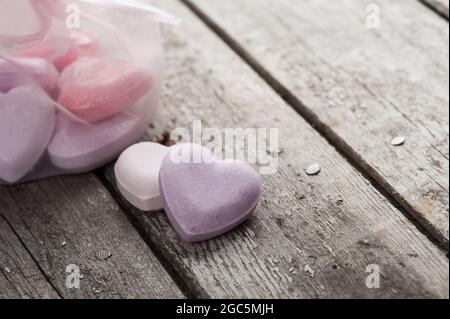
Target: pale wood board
<point>441,6</point>
<point>20,276</point>
<point>69,220</point>
<point>311,237</point>
<point>359,86</point>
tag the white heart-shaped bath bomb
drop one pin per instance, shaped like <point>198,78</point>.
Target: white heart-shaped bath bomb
<point>137,175</point>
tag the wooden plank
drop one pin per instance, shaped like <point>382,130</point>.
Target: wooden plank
<point>70,221</point>
<point>360,86</point>
<point>20,276</point>
<point>311,236</point>
<point>441,6</point>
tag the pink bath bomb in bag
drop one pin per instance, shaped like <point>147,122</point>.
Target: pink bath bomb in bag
<point>62,51</point>
<point>15,72</point>
<point>96,89</point>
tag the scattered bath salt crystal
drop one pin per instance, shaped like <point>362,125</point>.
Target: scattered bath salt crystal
<point>97,290</point>
<point>103,254</point>
<point>364,242</point>
<point>328,248</point>
<point>313,169</point>
<point>300,196</point>
<point>336,267</point>
<point>398,141</point>
<point>309,270</point>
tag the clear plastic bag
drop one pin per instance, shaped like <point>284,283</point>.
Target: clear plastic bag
<point>79,82</point>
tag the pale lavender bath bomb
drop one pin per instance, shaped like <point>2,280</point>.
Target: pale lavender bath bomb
<point>27,120</point>
<point>78,147</point>
<point>24,71</point>
<point>207,199</point>
<point>137,174</point>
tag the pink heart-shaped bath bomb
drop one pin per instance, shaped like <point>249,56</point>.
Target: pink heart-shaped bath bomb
<point>96,89</point>
<point>27,121</point>
<point>78,147</point>
<point>62,51</point>
<point>209,198</point>
<point>23,71</point>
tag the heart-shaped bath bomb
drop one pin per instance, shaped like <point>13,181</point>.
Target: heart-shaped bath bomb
<point>203,196</point>
<point>137,175</point>
<point>96,89</point>
<point>62,51</point>
<point>27,121</point>
<point>23,71</point>
<point>78,147</point>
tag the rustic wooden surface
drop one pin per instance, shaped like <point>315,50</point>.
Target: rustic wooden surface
<point>69,220</point>
<point>311,236</point>
<point>361,87</point>
<point>441,6</point>
<point>20,276</point>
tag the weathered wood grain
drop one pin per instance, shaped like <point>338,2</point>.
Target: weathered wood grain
<point>20,276</point>
<point>360,86</point>
<point>69,220</point>
<point>441,6</point>
<point>311,236</point>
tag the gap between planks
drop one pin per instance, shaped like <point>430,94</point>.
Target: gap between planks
<point>343,147</point>
<point>33,258</point>
<point>440,7</point>
<point>20,269</point>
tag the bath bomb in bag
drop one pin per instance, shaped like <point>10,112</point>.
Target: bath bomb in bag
<point>137,175</point>
<point>79,147</point>
<point>204,196</point>
<point>62,51</point>
<point>26,71</point>
<point>96,89</point>
<point>27,121</point>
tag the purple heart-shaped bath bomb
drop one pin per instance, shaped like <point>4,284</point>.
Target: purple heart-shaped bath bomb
<point>22,71</point>
<point>206,199</point>
<point>27,121</point>
<point>78,147</point>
